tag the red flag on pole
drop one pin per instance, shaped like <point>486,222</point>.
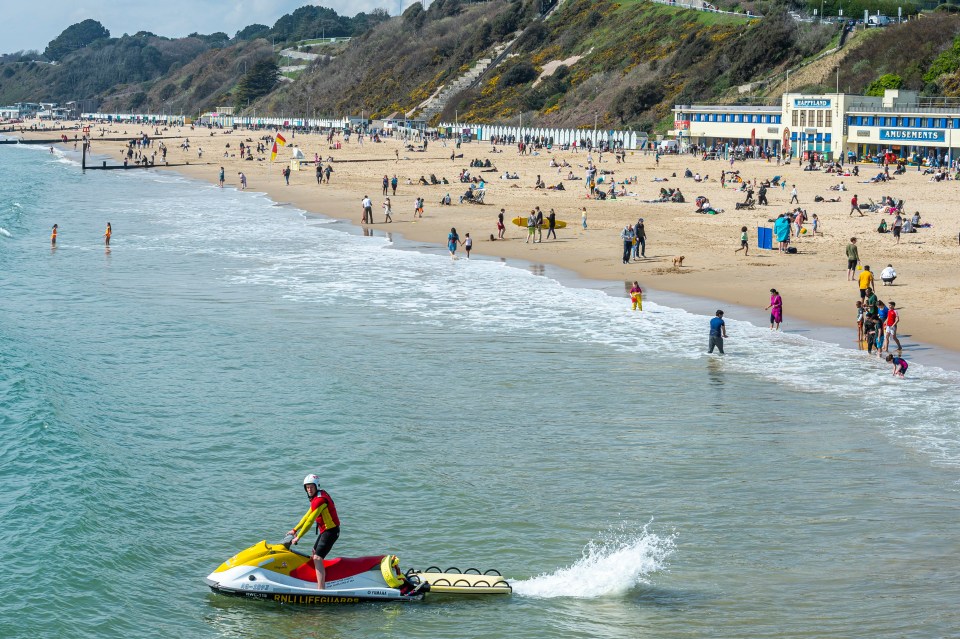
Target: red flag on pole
<point>273,153</point>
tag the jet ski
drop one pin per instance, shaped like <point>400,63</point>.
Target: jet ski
<point>280,573</point>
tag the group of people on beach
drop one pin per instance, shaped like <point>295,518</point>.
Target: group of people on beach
<point>877,321</point>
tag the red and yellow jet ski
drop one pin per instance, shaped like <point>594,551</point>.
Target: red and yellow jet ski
<point>277,572</point>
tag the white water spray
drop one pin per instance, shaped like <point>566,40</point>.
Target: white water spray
<point>614,565</point>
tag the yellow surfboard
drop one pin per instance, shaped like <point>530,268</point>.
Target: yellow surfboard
<point>522,222</point>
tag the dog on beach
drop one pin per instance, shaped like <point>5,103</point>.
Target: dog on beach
<point>678,261</point>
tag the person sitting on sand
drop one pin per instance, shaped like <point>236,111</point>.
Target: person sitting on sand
<point>540,184</point>
<point>883,227</point>
<point>423,181</point>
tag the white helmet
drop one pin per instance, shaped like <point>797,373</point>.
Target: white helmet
<point>311,479</point>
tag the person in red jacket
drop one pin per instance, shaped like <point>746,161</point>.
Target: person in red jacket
<point>855,206</point>
<point>324,513</point>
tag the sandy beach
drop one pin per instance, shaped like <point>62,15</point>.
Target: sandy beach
<point>813,282</point>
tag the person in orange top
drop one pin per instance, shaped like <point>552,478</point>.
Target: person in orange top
<point>109,232</point>
<point>53,236</point>
<point>324,513</point>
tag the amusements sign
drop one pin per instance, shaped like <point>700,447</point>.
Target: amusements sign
<point>912,135</point>
<point>681,125</point>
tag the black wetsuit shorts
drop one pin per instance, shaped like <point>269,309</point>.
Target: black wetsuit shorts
<point>325,541</point>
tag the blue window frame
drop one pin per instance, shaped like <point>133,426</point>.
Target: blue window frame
<point>883,121</point>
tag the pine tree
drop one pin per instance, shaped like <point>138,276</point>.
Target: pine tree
<point>257,82</point>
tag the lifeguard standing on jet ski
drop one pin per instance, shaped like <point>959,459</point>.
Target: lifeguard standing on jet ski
<point>324,512</point>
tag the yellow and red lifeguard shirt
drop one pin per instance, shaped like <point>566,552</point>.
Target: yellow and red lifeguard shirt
<point>323,511</point>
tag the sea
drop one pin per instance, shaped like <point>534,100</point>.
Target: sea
<point>161,401</point>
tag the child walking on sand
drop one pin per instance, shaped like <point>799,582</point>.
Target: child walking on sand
<point>387,210</point>
<point>743,241</point>
<point>636,296</point>
<point>467,244</point>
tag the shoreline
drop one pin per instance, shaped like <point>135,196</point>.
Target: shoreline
<point>945,358</point>
<point>591,255</point>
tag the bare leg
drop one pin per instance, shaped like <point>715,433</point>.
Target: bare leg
<point>321,572</point>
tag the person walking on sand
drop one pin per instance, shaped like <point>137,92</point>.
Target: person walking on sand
<point>386,184</point>
<point>793,196</point>
<point>744,246</point>
<point>776,310</point>
<point>53,236</point>
<point>552,225</point>
<point>107,234</point>
<point>531,227</point>
<point>393,184</point>
<point>627,235</point>
<point>636,296</point>
<point>718,332</point>
<point>467,244</point>
<point>855,206</point>
<point>897,228</point>
<point>501,229</point>
<point>243,181</point>
<point>387,211</point>
<point>583,218</point>
<point>221,177</point>
<point>640,231</point>
<point>367,206</point>
<point>453,240</point>
<point>853,258</point>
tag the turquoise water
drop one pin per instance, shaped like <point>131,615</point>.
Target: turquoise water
<point>161,402</point>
